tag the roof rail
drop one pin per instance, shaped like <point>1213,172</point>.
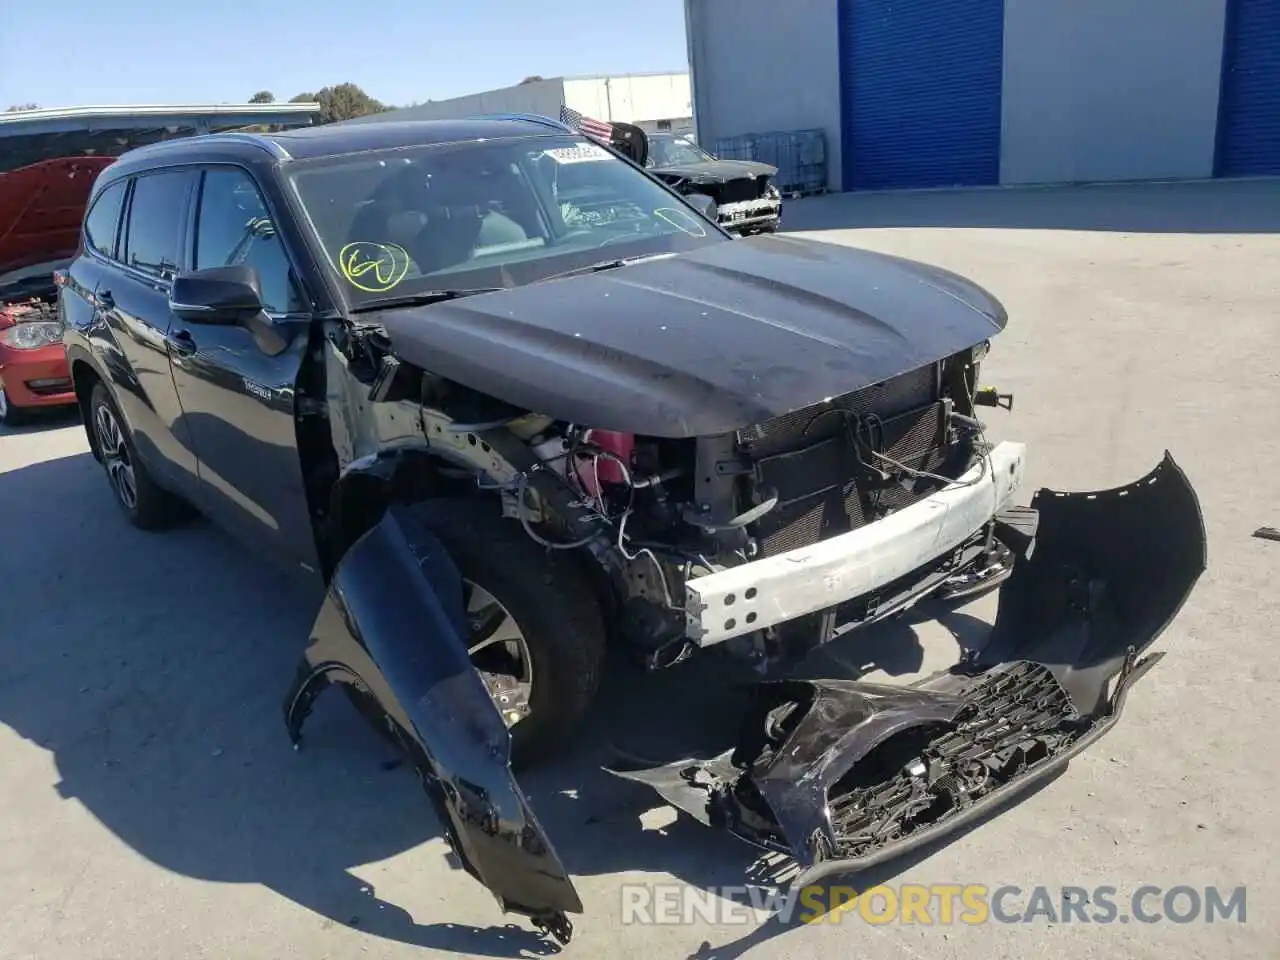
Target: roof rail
<point>239,136</point>
<point>527,117</point>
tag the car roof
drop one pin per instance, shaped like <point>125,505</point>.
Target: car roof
<point>341,138</point>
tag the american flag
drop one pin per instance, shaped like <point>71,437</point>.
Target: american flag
<point>597,129</point>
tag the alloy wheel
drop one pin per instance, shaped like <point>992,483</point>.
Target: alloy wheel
<point>115,456</point>
<point>500,653</point>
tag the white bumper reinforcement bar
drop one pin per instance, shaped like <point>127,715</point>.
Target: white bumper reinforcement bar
<point>767,592</point>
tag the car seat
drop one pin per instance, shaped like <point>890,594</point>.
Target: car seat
<point>461,222</point>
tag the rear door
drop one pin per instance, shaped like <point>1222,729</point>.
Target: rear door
<point>236,383</point>
<point>132,299</point>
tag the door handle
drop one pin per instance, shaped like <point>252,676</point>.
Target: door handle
<point>181,342</point>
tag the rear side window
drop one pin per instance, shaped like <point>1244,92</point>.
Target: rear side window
<point>103,221</point>
<point>156,216</point>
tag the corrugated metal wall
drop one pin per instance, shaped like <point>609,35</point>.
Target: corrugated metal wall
<point>920,86</point>
<point>1249,120</point>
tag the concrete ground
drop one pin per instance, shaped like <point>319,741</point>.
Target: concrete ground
<point>150,805</point>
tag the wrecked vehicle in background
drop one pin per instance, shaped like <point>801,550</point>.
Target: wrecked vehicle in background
<point>740,195</point>
<point>41,205</point>
<point>49,159</point>
<point>504,434</point>
<point>746,198</point>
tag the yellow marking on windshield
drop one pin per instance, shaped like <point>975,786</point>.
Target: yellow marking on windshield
<point>682,221</point>
<point>373,266</point>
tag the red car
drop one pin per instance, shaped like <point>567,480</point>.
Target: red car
<point>41,206</point>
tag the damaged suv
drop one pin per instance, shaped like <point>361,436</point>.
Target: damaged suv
<point>746,198</point>
<point>513,399</point>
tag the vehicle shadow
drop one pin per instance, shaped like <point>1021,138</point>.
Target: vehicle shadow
<point>45,418</point>
<point>1220,206</point>
<point>153,667</point>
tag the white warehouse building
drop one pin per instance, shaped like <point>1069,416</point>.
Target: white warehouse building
<point>936,93</point>
<point>653,101</point>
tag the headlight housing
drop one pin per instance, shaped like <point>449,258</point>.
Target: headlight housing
<point>771,191</point>
<point>32,335</point>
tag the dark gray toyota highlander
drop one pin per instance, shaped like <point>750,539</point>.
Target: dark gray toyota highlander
<point>513,399</point>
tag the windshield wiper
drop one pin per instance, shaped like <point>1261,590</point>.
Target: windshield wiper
<point>421,299</point>
<point>607,265</point>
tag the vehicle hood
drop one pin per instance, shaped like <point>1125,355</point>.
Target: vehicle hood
<point>716,171</point>
<point>41,207</point>
<point>700,343</point>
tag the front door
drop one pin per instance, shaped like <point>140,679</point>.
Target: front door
<point>237,383</point>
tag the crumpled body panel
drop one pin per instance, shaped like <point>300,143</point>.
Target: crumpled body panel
<point>393,627</point>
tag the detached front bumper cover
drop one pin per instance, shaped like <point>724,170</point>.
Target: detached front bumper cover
<point>839,774</point>
<point>843,775</point>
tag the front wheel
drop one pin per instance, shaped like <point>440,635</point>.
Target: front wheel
<point>537,632</point>
<point>146,505</point>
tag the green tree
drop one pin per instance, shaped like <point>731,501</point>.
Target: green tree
<point>263,96</point>
<point>533,79</point>
<point>342,102</point>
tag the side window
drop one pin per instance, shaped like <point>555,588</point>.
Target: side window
<point>234,227</point>
<point>156,214</point>
<point>103,221</point>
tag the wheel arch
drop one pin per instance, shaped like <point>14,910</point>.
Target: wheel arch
<point>84,377</point>
<point>364,490</point>
<point>360,497</point>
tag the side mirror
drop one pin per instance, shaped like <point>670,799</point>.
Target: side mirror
<point>222,295</point>
<point>704,205</point>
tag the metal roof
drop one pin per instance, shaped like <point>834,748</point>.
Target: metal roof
<point>132,117</point>
<point>30,136</point>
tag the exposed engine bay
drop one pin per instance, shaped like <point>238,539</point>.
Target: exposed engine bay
<point>661,516</point>
<point>30,310</point>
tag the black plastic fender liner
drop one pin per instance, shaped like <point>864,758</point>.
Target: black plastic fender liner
<point>1109,571</point>
<point>393,626</point>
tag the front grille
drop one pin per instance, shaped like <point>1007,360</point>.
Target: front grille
<point>736,191</point>
<point>806,426</point>
<point>824,489</point>
<point>818,460</point>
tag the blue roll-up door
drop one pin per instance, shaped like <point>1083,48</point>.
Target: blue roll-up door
<point>1249,118</point>
<point>920,89</point>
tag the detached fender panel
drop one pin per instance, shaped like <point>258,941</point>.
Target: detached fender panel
<point>843,774</point>
<point>393,627</point>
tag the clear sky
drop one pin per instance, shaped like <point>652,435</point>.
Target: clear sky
<point>72,52</point>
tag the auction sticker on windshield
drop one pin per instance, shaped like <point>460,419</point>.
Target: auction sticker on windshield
<point>585,153</point>
<point>372,266</point>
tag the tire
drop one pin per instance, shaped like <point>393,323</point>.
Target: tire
<point>149,507</point>
<point>10,415</point>
<point>551,601</point>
